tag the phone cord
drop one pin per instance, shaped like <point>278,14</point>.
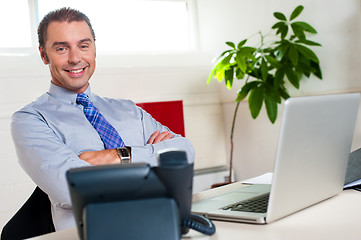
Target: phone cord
<point>200,224</point>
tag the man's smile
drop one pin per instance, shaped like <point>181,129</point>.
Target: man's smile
<point>76,72</point>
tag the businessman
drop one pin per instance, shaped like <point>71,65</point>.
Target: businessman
<point>70,126</point>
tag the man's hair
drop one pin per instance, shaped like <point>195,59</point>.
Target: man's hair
<point>61,15</point>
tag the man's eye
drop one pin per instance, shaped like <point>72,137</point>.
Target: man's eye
<point>60,49</point>
<point>84,46</point>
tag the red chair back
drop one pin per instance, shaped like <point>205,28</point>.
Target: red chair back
<point>169,113</point>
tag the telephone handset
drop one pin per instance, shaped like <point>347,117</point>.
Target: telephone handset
<point>177,175</point>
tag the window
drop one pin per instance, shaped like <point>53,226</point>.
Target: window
<point>15,25</point>
<point>127,26</point>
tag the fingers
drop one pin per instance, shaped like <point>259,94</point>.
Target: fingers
<point>158,137</point>
<point>163,136</point>
<point>154,135</point>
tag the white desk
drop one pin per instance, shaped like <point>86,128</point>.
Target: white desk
<point>337,218</point>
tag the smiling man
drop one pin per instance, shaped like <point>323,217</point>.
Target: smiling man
<point>64,128</point>
<point>69,50</point>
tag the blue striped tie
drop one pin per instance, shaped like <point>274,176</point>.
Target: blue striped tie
<point>106,131</point>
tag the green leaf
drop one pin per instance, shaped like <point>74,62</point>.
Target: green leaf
<point>241,43</point>
<point>239,74</point>
<point>279,76</point>
<point>213,72</point>
<point>222,66</point>
<point>279,24</point>
<point>296,12</point>
<point>280,16</point>
<point>219,74</point>
<point>308,53</point>
<point>264,70</point>
<point>231,44</point>
<point>211,75</point>
<point>271,92</point>
<point>226,60</point>
<point>298,31</point>
<point>228,77</point>
<point>283,92</point>
<point>282,50</point>
<point>304,69</point>
<point>317,70</point>
<point>293,78</point>
<point>283,30</point>
<point>224,53</point>
<point>293,54</point>
<point>242,94</point>
<point>255,101</point>
<point>299,74</point>
<point>271,107</point>
<point>272,61</point>
<point>304,65</point>
<point>241,62</point>
<point>308,42</point>
<point>305,26</point>
<point>247,52</point>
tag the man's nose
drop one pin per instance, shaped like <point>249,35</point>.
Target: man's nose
<point>74,56</point>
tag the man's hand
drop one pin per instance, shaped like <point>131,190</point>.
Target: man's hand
<point>158,137</point>
<point>102,157</point>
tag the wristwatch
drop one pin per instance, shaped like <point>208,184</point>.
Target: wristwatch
<point>124,154</point>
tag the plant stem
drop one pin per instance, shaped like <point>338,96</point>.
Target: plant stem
<point>232,131</point>
<point>260,34</point>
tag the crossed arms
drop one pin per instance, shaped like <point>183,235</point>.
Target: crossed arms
<point>110,156</point>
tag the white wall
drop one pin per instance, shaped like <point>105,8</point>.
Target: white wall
<point>339,31</point>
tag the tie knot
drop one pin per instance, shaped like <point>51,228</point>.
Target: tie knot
<point>82,99</point>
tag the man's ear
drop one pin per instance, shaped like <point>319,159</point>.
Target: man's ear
<point>43,55</point>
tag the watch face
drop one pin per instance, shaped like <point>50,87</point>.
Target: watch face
<point>124,155</point>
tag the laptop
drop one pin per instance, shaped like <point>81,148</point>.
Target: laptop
<point>310,165</point>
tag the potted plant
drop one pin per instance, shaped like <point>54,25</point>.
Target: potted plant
<point>268,67</point>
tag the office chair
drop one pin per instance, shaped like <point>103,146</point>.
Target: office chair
<point>32,219</point>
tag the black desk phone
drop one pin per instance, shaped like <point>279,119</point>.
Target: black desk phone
<point>136,201</point>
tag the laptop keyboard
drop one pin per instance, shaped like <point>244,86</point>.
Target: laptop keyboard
<point>257,205</point>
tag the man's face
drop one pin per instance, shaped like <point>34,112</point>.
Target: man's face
<point>70,53</point>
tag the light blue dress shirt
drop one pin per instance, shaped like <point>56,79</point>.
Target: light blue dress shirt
<point>52,131</point>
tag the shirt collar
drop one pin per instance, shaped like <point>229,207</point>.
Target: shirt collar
<point>65,95</point>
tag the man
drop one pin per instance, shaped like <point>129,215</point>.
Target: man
<point>53,133</point>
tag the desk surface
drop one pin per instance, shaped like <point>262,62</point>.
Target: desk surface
<point>335,218</point>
